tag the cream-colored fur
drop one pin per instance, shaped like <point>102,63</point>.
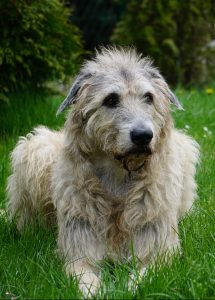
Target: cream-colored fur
<point>111,199</point>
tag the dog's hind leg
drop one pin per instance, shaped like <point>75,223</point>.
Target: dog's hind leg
<point>28,187</point>
<point>22,187</point>
<point>19,206</point>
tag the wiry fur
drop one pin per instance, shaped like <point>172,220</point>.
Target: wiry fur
<point>109,200</point>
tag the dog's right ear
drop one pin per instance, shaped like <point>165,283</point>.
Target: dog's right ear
<point>71,98</point>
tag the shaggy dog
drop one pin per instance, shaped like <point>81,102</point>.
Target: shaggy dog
<point>118,175</point>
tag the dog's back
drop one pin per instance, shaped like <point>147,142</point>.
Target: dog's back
<point>29,186</point>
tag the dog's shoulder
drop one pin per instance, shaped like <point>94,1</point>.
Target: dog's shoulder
<point>184,146</point>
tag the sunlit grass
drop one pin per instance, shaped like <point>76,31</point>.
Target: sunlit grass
<point>29,265</point>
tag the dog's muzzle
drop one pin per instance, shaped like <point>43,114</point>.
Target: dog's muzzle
<point>134,158</point>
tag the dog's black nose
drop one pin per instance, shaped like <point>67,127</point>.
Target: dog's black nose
<point>141,137</point>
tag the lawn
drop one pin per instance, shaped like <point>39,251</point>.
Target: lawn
<point>29,266</point>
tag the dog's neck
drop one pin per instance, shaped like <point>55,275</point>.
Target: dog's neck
<point>112,175</point>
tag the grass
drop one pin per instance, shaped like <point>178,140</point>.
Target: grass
<point>29,266</point>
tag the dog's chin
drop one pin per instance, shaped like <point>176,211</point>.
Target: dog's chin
<point>134,159</point>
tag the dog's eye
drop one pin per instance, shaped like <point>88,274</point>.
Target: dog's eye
<point>111,101</point>
<point>148,98</point>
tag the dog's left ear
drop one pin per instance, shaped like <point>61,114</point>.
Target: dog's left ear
<point>72,96</point>
<point>164,88</point>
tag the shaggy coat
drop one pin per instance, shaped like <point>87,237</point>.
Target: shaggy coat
<point>118,175</point>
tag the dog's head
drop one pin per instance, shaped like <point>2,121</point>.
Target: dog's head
<point>122,105</point>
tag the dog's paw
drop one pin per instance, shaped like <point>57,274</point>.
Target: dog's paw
<point>135,279</point>
<point>89,284</point>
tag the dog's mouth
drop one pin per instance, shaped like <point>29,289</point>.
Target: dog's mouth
<point>134,159</point>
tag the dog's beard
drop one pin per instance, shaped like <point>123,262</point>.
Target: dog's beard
<point>134,159</point>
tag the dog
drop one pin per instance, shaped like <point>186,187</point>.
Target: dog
<point>118,177</point>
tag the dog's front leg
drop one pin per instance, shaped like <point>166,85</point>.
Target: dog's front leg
<point>82,250</point>
<point>156,241</point>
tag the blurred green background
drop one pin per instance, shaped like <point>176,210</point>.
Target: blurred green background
<point>44,41</point>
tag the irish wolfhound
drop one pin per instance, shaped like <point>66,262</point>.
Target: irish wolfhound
<point>118,174</point>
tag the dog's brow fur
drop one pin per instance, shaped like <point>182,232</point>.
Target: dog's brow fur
<point>126,74</point>
<point>111,197</point>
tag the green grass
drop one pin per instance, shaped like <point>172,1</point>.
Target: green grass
<point>29,265</point>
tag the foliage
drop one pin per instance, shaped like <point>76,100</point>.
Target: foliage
<point>174,33</point>
<point>37,43</point>
<point>96,19</point>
